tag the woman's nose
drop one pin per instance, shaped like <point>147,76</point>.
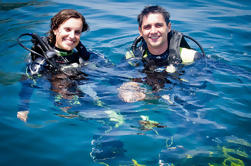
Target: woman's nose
<point>72,34</point>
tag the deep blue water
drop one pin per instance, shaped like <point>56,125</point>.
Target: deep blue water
<point>206,122</point>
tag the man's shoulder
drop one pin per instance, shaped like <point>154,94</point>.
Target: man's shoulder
<point>188,56</point>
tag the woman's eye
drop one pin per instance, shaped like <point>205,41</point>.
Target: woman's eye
<point>67,29</point>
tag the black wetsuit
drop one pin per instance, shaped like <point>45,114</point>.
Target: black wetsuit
<point>58,58</point>
<point>57,69</point>
<point>155,65</point>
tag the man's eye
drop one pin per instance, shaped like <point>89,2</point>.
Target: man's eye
<point>147,27</point>
<point>78,32</point>
<point>159,25</point>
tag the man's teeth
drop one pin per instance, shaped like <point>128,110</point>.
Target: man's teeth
<point>156,37</point>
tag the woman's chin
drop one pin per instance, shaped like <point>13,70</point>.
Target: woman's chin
<point>68,48</point>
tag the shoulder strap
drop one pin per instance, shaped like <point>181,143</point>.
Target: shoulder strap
<point>196,42</point>
<point>138,47</point>
<point>174,38</point>
<point>83,53</point>
<point>40,45</point>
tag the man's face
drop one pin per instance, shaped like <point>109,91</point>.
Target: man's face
<point>154,30</point>
<point>68,34</point>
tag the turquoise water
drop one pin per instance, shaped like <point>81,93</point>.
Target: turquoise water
<point>206,121</point>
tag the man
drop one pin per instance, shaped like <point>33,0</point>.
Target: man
<point>161,49</point>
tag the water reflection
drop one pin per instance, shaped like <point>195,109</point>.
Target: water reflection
<point>6,6</point>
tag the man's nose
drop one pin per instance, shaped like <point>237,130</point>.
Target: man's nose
<point>153,29</point>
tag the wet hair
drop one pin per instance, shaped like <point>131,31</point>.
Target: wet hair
<point>153,9</point>
<point>60,18</point>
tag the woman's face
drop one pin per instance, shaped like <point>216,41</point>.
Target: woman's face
<point>68,34</point>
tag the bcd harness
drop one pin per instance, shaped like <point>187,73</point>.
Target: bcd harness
<point>172,55</point>
<point>42,52</point>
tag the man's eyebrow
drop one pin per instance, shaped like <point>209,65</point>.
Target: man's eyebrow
<point>146,25</point>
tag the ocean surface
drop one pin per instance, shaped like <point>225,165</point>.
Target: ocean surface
<point>204,120</point>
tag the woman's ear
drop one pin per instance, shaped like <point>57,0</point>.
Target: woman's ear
<point>55,32</point>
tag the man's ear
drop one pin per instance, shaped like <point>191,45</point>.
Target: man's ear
<point>140,31</point>
<point>169,26</point>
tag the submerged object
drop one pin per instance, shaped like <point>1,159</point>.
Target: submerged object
<point>131,92</point>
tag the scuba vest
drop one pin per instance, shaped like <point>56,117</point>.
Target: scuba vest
<point>43,47</point>
<point>46,56</point>
<point>171,56</point>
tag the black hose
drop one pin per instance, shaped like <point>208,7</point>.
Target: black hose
<point>30,50</point>
<point>135,42</point>
<point>43,45</point>
<point>202,50</point>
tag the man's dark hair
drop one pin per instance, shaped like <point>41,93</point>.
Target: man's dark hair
<point>153,9</point>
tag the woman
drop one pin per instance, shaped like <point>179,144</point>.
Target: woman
<point>60,52</point>
<point>64,37</point>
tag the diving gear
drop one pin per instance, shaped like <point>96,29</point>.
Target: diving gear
<point>47,51</point>
<point>36,67</point>
<point>176,39</point>
<point>170,68</point>
<point>188,55</point>
<point>71,69</point>
<point>178,52</point>
<point>201,48</point>
<point>83,53</point>
<point>54,59</point>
